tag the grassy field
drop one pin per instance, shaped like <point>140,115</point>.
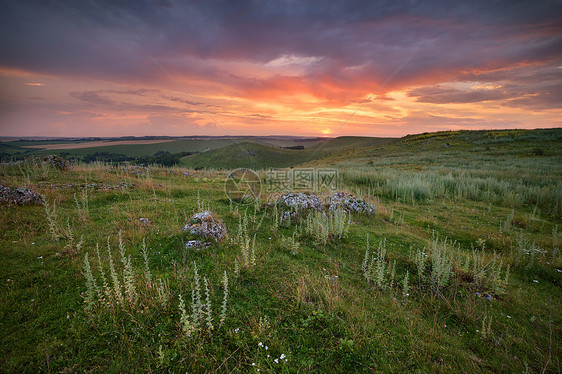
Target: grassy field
<point>458,270</point>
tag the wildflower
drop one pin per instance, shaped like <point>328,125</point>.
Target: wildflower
<point>266,347</point>
<point>282,356</point>
<point>253,364</point>
<point>260,344</point>
<point>276,361</point>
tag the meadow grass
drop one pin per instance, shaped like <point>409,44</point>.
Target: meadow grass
<point>446,283</point>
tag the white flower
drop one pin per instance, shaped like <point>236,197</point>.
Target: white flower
<point>253,364</point>
<point>282,356</point>
<point>276,361</point>
<point>260,344</point>
<point>266,347</point>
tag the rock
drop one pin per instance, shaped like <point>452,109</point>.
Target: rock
<point>197,244</point>
<point>203,224</point>
<point>300,200</point>
<point>19,196</point>
<point>289,217</point>
<point>350,203</point>
<point>57,162</point>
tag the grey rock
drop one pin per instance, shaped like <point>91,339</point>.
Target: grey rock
<point>350,203</point>
<point>289,217</point>
<point>299,200</point>
<point>196,244</point>
<point>19,196</point>
<point>204,225</point>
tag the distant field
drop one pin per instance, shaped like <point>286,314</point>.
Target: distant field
<point>212,152</point>
<point>104,143</point>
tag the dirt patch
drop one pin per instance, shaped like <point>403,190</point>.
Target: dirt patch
<point>102,143</point>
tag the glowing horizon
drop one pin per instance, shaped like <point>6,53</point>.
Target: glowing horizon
<point>303,69</point>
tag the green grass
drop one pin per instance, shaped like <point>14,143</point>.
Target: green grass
<point>312,304</point>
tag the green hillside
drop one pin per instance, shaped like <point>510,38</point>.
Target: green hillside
<point>442,148</point>
<point>249,155</point>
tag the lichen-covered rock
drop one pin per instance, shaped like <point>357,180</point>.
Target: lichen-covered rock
<point>19,196</point>
<point>57,162</point>
<point>299,200</point>
<point>287,217</point>
<point>350,203</point>
<point>196,244</point>
<point>203,224</point>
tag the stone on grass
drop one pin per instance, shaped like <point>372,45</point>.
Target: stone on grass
<point>350,203</point>
<point>299,200</point>
<point>197,244</point>
<point>204,225</point>
<point>287,217</point>
<point>57,162</point>
<point>19,196</point>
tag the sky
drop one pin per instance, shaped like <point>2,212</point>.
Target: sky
<point>301,68</point>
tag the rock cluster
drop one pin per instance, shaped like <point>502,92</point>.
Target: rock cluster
<point>137,170</point>
<point>94,186</point>
<point>350,203</point>
<point>19,196</point>
<point>57,162</point>
<point>299,200</point>
<point>204,225</point>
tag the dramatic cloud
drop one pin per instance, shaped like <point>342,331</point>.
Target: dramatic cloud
<point>270,66</point>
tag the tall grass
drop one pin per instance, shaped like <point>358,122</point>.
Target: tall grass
<point>480,185</point>
<point>322,226</point>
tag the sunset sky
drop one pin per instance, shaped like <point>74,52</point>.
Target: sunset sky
<point>310,68</point>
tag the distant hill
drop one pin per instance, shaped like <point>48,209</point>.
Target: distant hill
<point>451,148</point>
<point>260,156</point>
